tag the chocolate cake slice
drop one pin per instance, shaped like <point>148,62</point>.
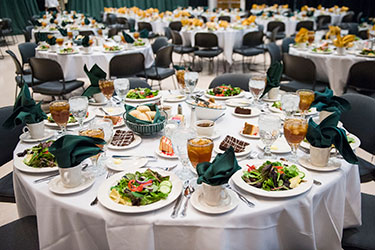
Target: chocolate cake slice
<point>238,145</point>
<point>242,111</point>
<point>122,138</point>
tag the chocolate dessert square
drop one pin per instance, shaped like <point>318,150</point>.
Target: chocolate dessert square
<point>238,145</point>
<point>122,138</point>
<point>242,111</point>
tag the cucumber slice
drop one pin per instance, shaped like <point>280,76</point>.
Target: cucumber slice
<point>166,183</point>
<point>164,189</point>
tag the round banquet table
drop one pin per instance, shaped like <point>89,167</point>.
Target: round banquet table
<point>55,32</point>
<point>228,39</point>
<point>313,220</point>
<point>331,68</point>
<point>72,65</point>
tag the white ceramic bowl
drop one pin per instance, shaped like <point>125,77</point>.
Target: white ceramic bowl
<point>204,113</point>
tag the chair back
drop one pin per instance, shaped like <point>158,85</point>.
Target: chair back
<point>224,18</point>
<point>253,39</point>
<point>86,33</point>
<point>112,32</point>
<point>37,34</point>
<point>111,19</point>
<point>176,38</point>
<point>27,33</point>
<point>27,51</point>
<point>359,17</point>
<point>46,70</point>
<point>122,20</point>
<point>131,22</point>
<point>352,28</point>
<point>7,23</point>
<point>126,65</point>
<point>286,42</point>
<point>203,18</point>
<point>136,82</point>
<point>175,25</point>
<point>163,57</point>
<point>274,33</point>
<point>17,63</point>
<point>362,77</point>
<point>299,69</point>
<point>236,80</point>
<point>360,119</point>
<point>363,34</point>
<point>168,33</point>
<point>274,24</point>
<point>144,25</point>
<point>305,24</point>
<point>348,18</point>
<point>322,20</point>
<point>206,40</point>
<point>274,52</point>
<point>158,43</point>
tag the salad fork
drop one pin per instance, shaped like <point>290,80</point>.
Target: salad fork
<point>188,192</point>
<point>243,198</point>
<point>177,205</point>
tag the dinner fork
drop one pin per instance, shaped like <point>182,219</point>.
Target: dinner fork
<point>243,198</point>
<point>95,201</point>
<point>188,192</point>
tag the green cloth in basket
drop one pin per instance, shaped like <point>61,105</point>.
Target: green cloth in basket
<point>157,119</point>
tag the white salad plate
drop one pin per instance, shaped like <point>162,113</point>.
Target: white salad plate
<point>54,125</point>
<point>197,201</point>
<point>56,186</point>
<point>266,99</point>
<point>20,165</point>
<point>245,152</point>
<point>136,142</point>
<point>254,113</point>
<point>238,102</point>
<point>116,164</point>
<point>94,103</point>
<point>25,137</point>
<point>300,189</point>
<point>106,201</point>
<point>112,111</point>
<point>354,146</point>
<point>331,166</point>
<point>280,146</point>
<point>224,97</point>
<point>143,100</point>
<point>249,136</point>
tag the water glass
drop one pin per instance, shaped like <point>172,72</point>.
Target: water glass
<point>122,87</point>
<point>290,103</point>
<point>191,79</point>
<point>257,84</point>
<point>269,131</point>
<point>78,108</point>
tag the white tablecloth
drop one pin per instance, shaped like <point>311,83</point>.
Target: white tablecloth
<point>331,68</point>
<point>72,65</point>
<point>314,220</point>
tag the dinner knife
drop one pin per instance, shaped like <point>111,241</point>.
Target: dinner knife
<point>134,156</point>
<point>46,178</point>
<point>178,203</point>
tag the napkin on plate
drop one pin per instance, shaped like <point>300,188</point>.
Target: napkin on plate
<point>144,33</point>
<point>71,150</point>
<point>327,133</point>
<point>51,40</point>
<point>87,21</point>
<point>25,110</point>
<point>328,102</point>
<point>95,74</point>
<point>158,117</point>
<point>52,20</point>
<point>273,77</point>
<point>86,41</point>
<point>302,36</point>
<point>220,170</point>
<point>63,23</point>
<point>63,32</point>
<point>42,37</point>
<point>127,37</point>
<point>74,16</point>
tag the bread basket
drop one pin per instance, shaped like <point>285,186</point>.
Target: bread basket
<point>146,129</point>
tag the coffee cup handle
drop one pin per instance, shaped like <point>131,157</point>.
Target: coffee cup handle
<point>224,194</point>
<point>66,176</point>
<point>25,129</point>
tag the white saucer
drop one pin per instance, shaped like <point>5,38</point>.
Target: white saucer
<point>266,99</point>
<point>250,136</point>
<point>280,146</point>
<point>113,111</point>
<point>240,102</point>
<point>157,151</point>
<point>254,112</point>
<point>246,152</point>
<point>25,137</point>
<point>97,103</point>
<point>216,134</point>
<point>136,142</point>
<point>331,166</point>
<point>226,205</point>
<point>56,186</point>
<point>174,98</point>
<point>125,165</point>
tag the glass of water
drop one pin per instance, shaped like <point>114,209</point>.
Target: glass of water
<point>269,131</point>
<point>290,103</point>
<point>78,108</point>
<point>122,86</point>
<point>257,84</point>
<point>191,79</point>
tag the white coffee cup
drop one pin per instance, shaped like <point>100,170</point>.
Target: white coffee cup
<point>86,49</point>
<point>71,177</point>
<point>99,97</point>
<point>205,130</point>
<point>213,195</point>
<point>319,156</point>
<point>340,51</point>
<point>36,130</point>
<point>273,93</point>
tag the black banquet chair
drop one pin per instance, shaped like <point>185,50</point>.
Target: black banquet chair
<point>175,25</point>
<point>251,42</point>
<point>349,17</point>
<point>136,82</point>
<point>122,23</point>
<point>27,51</point>
<point>323,21</point>
<point>27,33</point>
<point>280,34</point>
<point>51,76</point>
<point>236,80</point>
<point>361,78</point>
<point>224,18</point>
<point>286,43</point>
<point>159,43</point>
<point>147,26</point>
<point>274,51</point>
<point>126,65</point>
<point>179,48</point>
<point>86,33</point>
<point>307,24</point>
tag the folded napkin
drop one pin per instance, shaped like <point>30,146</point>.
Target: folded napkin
<point>328,102</point>
<point>71,150</point>
<point>270,14</point>
<point>51,40</point>
<point>74,16</point>
<point>127,37</point>
<point>344,42</point>
<point>63,32</point>
<point>310,13</point>
<point>132,28</point>
<point>273,77</point>
<point>52,20</point>
<point>327,133</point>
<point>42,37</point>
<point>333,31</point>
<point>87,21</point>
<point>144,33</point>
<point>260,13</point>
<point>25,110</point>
<point>158,117</point>
<point>86,41</point>
<point>302,36</point>
<point>63,23</point>
<point>220,170</point>
<point>95,74</point>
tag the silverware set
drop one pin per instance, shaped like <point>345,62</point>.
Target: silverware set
<point>50,177</point>
<point>187,191</point>
<point>242,198</point>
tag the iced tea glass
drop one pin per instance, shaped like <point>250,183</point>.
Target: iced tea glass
<point>107,87</point>
<point>70,34</point>
<point>306,97</point>
<point>295,130</point>
<point>199,150</point>
<point>60,112</point>
<point>136,35</point>
<point>60,41</point>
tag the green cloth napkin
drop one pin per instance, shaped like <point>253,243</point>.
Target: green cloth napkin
<point>87,21</point>
<point>144,33</point>
<point>25,110</point>
<point>273,77</point>
<point>74,16</point>
<point>259,13</point>
<point>51,41</point>
<point>86,41</point>
<point>71,150</point>
<point>52,20</point>
<point>158,117</point>
<point>95,74</point>
<point>327,133</point>
<point>63,32</point>
<point>63,23</point>
<point>127,37</point>
<point>42,37</point>
<point>328,102</point>
<point>220,170</point>
<point>270,14</point>
<point>310,13</point>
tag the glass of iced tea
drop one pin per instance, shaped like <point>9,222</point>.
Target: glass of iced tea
<point>199,150</point>
<point>295,130</point>
<point>136,35</point>
<point>311,37</point>
<point>306,97</point>
<point>60,112</point>
<point>257,84</point>
<point>70,34</point>
<point>107,87</point>
<point>60,41</point>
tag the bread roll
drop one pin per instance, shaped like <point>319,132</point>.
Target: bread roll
<point>144,117</point>
<point>143,108</point>
<point>135,113</point>
<point>151,114</point>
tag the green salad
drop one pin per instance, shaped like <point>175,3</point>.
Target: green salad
<point>273,176</point>
<point>67,50</point>
<point>141,93</point>
<point>112,48</point>
<point>277,105</point>
<point>39,156</point>
<point>139,42</point>
<point>367,52</point>
<point>141,189</point>
<point>224,90</point>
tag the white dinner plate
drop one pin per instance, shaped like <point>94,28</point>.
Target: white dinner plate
<point>18,163</point>
<point>116,164</point>
<point>280,146</point>
<point>322,52</point>
<point>136,142</point>
<point>174,98</point>
<point>143,100</point>
<point>70,53</point>
<point>311,111</point>
<point>56,186</point>
<point>254,113</point>
<point>106,201</point>
<point>225,97</point>
<point>197,201</point>
<point>25,137</point>
<point>117,51</point>
<point>245,152</point>
<point>161,154</point>
<point>238,102</point>
<point>93,103</point>
<point>331,166</point>
<point>274,109</point>
<point>112,111</point>
<point>302,188</point>
<point>358,54</point>
<point>354,146</point>
<point>54,125</point>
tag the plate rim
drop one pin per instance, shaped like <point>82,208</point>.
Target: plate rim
<point>157,152</point>
<point>21,166</point>
<point>46,137</point>
<point>244,153</point>
<point>247,116</point>
<point>75,189</point>
<point>54,125</point>
<point>131,169</point>
<point>224,97</point>
<point>273,151</point>
<point>314,168</point>
<point>143,100</point>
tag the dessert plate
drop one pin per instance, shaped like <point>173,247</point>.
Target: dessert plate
<point>136,142</point>
<point>254,112</point>
<point>25,137</point>
<point>280,146</point>
<point>161,154</point>
<point>116,164</point>
<point>245,152</point>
